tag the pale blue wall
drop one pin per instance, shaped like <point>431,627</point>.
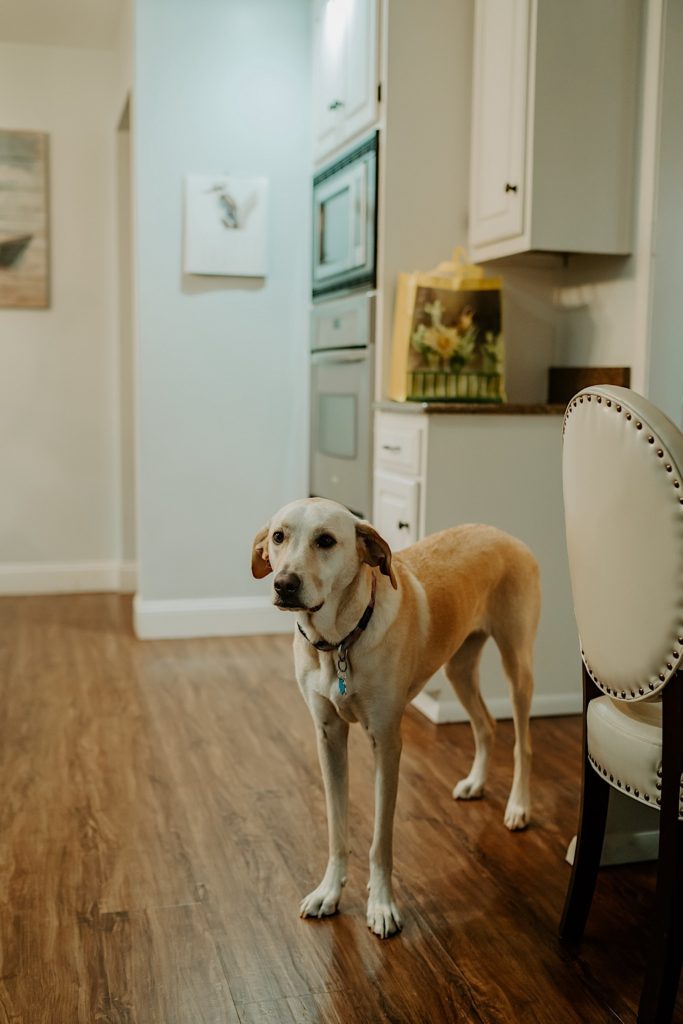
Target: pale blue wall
<point>221,86</point>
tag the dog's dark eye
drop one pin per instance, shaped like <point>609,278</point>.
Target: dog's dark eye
<point>278,537</point>
<point>325,540</point>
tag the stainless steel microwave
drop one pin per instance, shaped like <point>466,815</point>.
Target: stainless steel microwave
<point>345,222</point>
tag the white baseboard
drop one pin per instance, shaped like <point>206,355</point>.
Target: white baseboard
<point>441,709</point>
<point>623,848</point>
<point>128,577</point>
<point>21,578</point>
<point>212,616</point>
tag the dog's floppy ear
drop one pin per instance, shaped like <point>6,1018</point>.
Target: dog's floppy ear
<point>374,550</point>
<point>260,563</point>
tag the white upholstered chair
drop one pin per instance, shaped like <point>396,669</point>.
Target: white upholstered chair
<point>623,495</point>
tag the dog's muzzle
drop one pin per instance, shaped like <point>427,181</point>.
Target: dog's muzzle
<point>287,586</point>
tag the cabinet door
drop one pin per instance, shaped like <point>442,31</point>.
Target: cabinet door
<point>329,73</point>
<point>360,100</point>
<point>345,72</point>
<point>396,509</point>
<point>499,120</point>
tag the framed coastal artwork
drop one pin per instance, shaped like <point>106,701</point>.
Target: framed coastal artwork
<point>24,221</point>
<point>225,225</point>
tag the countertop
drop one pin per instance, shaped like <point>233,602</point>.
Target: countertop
<point>472,408</point>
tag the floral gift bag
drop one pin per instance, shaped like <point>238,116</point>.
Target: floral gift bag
<point>448,343</point>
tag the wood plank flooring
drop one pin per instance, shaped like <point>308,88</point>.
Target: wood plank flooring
<point>161,814</point>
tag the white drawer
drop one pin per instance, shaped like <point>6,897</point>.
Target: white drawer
<point>399,448</point>
<point>343,323</point>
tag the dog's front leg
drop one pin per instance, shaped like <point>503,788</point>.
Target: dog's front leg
<point>382,916</point>
<point>332,734</point>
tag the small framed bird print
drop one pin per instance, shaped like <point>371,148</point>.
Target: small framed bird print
<point>225,225</point>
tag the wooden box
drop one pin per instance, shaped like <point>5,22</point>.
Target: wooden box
<point>565,381</point>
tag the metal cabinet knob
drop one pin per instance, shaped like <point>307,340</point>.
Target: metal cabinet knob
<point>510,188</point>
<point>403,526</point>
<point>335,105</point>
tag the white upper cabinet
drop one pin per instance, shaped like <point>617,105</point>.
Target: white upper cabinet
<point>554,106</point>
<point>499,121</point>
<point>345,72</point>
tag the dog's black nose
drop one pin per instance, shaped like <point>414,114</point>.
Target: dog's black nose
<point>287,584</point>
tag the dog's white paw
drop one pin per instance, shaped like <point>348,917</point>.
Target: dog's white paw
<point>383,917</point>
<point>470,788</point>
<point>516,816</point>
<point>322,902</point>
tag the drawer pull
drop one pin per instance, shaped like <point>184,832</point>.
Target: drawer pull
<point>403,526</point>
<point>391,447</point>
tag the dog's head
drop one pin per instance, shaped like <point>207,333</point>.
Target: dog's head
<point>315,548</point>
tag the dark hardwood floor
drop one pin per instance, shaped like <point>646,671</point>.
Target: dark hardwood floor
<point>161,815</point>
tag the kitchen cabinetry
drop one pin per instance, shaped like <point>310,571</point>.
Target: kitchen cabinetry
<point>399,455</point>
<point>425,71</point>
<point>553,123</point>
<point>345,71</point>
<point>435,470</point>
<point>397,509</point>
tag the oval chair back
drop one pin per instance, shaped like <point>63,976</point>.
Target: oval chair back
<point>622,469</point>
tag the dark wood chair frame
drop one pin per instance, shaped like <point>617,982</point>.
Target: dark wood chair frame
<point>660,988</point>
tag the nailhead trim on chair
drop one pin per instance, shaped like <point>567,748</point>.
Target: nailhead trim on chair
<point>645,797</point>
<point>624,694</point>
<point>657,684</point>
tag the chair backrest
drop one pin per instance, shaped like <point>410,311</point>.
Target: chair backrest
<point>622,469</point>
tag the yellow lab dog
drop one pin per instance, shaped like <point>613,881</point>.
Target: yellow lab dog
<point>372,628</point>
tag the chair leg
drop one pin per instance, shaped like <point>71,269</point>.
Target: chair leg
<point>591,833</point>
<point>658,998</point>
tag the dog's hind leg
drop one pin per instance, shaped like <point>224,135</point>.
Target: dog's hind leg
<point>463,672</point>
<point>517,658</point>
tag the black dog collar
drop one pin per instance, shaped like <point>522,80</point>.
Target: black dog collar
<point>350,638</point>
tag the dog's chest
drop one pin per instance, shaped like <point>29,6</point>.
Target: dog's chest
<point>330,683</point>
<point>346,707</point>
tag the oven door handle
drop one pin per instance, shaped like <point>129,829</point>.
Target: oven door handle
<point>359,218</point>
<point>339,356</point>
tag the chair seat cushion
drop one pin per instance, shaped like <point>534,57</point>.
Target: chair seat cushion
<point>625,746</point>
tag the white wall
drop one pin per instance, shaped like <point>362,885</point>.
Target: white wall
<point>123,51</point>
<point>423,202</point>
<point>222,366</point>
<point>666,346</point>
<point>606,304</point>
<point>122,116</point>
<point>59,514</point>
<point>595,311</point>
<point>126,334</point>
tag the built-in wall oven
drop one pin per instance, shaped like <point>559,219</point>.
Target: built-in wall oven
<point>345,222</point>
<point>342,373</point>
<point>342,327</point>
